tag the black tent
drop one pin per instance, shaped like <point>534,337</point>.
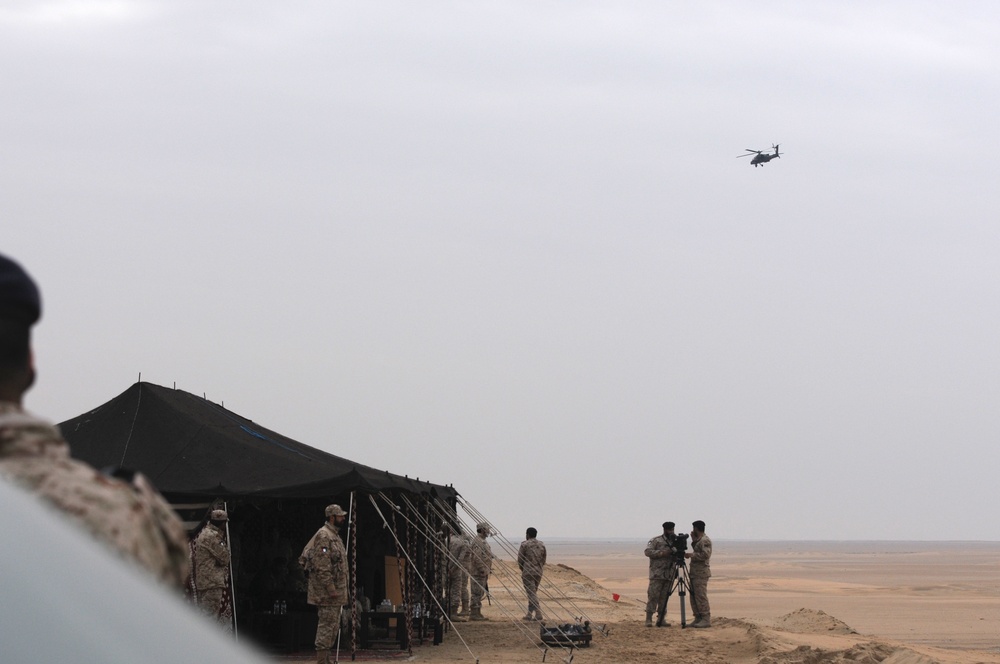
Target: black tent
<point>198,454</point>
<point>190,446</point>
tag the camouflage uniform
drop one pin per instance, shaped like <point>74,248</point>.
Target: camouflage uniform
<point>531,559</point>
<point>662,572</point>
<point>325,561</point>
<point>132,518</point>
<point>700,572</point>
<point>460,550</point>
<point>482,565</point>
<point>211,571</point>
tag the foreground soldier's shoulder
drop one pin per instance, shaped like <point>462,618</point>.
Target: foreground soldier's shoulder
<point>127,517</point>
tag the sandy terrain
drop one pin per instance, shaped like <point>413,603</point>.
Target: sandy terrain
<point>899,603</point>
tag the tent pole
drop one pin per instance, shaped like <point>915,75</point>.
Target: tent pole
<point>351,586</point>
<point>232,580</point>
<point>352,539</point>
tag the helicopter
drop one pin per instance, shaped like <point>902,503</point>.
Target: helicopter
<point>759,157</point>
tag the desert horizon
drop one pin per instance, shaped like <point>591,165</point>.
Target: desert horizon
<point>900,602</point>
<point>922,592</point>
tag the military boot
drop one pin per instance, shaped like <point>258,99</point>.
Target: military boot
<point>477,614</point>
<point>538,616</point>
<point>322,657</point>
<point>649,618</point>
<point>704,621</point>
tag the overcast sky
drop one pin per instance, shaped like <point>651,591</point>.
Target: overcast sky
<point>509,246</point>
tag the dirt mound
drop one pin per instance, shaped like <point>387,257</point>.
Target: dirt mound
<point>904,656</point>
<point>862,653</point>
<point>809,621</point>
<point>564,592</point>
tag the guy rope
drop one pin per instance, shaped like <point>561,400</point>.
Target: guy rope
<point>577,613</point>
<point>447,515</point>
<point>399,547</point>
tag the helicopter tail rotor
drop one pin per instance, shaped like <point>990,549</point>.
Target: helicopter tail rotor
<point>776,150</point>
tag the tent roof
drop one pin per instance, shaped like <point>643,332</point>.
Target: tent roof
<point>188,445</point>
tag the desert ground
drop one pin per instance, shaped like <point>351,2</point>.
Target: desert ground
<point>774,603</point>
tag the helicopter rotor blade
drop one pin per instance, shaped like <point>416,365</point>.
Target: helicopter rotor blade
<point>745,155</point>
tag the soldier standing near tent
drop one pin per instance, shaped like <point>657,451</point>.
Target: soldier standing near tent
<point>662,571</point>
<point>324,560</point>
<point>459,565</point>
<point>482,565</point>
<point>531,559</point>
<point>128,514</point>
<point>211,569</point>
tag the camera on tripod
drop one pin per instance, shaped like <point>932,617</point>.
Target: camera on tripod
<point>679,543</point>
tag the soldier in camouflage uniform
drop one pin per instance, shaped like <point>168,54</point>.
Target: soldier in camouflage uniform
<point>211,566</point>
<point>459,564</point>
<point>700,572</point>
<point>128,514</point>
<point>662,572</point>
<point>531,560</point>
<point>482,566</point>
<point>324,560</point>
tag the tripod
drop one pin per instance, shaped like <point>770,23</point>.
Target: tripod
<point>681,583</point>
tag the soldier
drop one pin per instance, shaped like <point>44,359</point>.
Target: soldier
<point>211,568</point>
<point>662,572</point>
<point>482,565</point>
<point>127,513</point>
<point>531,560</point>
<point>700,572</point>
<point>459,565</point>
<point>324,560</point>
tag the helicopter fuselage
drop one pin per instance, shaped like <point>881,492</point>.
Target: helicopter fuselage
<point>760,157</point>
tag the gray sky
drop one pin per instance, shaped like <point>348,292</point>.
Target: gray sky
<point>509,246</point>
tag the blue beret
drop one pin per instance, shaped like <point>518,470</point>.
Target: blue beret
<point>19,296</point>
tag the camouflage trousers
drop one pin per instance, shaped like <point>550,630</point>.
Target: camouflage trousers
<point>210,603</point>
<point>477,591</point>
<point>458,590</point>
<point>657,593</point>
<point>328,626</point>
<point>530,582</point>
<point>699,596</point>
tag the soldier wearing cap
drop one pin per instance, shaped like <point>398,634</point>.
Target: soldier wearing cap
<point>662,573</point>
<point>211,567</point>
<point>482,566</point>
<point>459,564</point>
<point>324,560</point>
<point>129,515</point>
<point>701,572</point>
